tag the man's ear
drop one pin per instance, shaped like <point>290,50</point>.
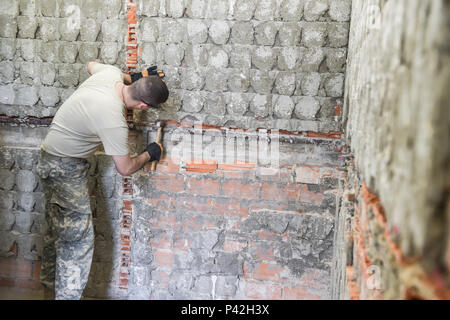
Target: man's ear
<point>142,106</point>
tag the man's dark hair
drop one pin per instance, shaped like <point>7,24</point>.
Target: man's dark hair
<point>151,90</point>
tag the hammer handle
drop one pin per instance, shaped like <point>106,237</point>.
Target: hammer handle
<point>158,139</point>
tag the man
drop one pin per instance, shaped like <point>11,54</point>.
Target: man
<point>93,115</point>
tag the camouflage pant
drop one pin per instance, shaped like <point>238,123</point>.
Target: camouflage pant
<point>69,234</point>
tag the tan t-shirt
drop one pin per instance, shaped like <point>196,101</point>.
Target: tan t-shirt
<point>92,115</point>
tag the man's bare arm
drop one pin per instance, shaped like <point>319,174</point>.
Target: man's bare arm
<point>126,165</point>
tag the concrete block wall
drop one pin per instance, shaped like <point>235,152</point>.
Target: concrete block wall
<point>249,64</point>
<point>395,215</point>
<point>208,229</point>
<point>246,64</point>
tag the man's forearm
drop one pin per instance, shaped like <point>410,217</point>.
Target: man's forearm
<point>138,162</point>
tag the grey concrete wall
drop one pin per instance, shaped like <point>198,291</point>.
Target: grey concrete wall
<point>248,64</point>
<point>398,118</point>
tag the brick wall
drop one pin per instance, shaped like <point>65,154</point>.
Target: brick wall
<point>206,229</point>
<point>239,227</point>
<point>393,228</point>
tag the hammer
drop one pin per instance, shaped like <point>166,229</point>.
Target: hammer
<point>160,126</point>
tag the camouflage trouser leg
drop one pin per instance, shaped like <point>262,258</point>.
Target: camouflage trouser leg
<point>69,235</point>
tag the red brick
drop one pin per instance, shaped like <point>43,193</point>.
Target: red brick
<point>168,183</point>
<point>164,257</point>
<point>183,241</point>
<point>308,174</point>
<point>36,270</point>
<point>191,203</point>
<point>202,186</point>
<point>267,271</point>
<point>236,189</point>
<point>24,268</point>
<point>164,221</point>
<point>299,293</point>
<point>8,267</point>
<point>163,202</point>
<point>267,235</point>
<point>192,224</point>
<point>230,245</point>
<point>200,166</point>
<point>310,197</point>
<point>279,192</point>
<point>161,241</point>
<point>262,250</point>
<point>229,208</point>
<point>262,290</point>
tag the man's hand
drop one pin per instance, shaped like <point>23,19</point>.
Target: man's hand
<point>154,150</point>
<point>152,71</point>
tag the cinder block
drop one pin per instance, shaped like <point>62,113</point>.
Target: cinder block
<point>291,10</point>
<point>68,75</point>
<point>148,8</point>
<point>310,83</point>
<point>238,104</point>
<point>219,32</point>
<point>312,58</point>
<point>8,26</point>
<point>289,34</point>
<point>193,101</point>
<point>109,52</point>
<point>88,52</point>
<point>7,48</point>
<point>314,34</point>
<point>196,8</point>
<point>7,157</point>
<point>149,30</point>
<point>336,59</point>
<point>288,58</point>
<point>173,54</point>
<point>48,73</point>
<point>307,108</point>
<point>69,29</point>
<point>68,52</point>
<point>48,29</point>
<point>89,30</point>
<point>7,94</point>
<point>265,33</point>
<point>338,34</point>
<point>243,10</point>
<point>215,103</point>
<point>283,106</point>
<point>265,10</point>
<point>7,200</point>
<point>340,10</point>
<point>315,9</point>
<point>242,33</point>
<point>149,55</point>
<point>27,49</point>
<point>48,8</point>
<point>238,80</point>
<point>174,8</point>
<point>261,82</point>
<point>285,83</point>
<point>240,57</point>
<point>216,79</point>
<point>197,31</point>
<point>260,105</point>
<point>173,30</point>
<point>27,26</point>
<point>10,7</point>
<point>8,179</point>
<point>6,72</point>
<point>48,51</point>
<point>192,79</point>
<point>26,181</point>
<point>49,96</point>
<point>7,220</point>
<point>113,30</point>
<point>26,96</point>
<point>217,10</point>
<point>218,58</point>
<point>334,85</point>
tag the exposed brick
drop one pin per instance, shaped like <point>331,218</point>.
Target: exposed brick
<point>230,245</point>
<point>262,290</point>
<point>267,271</point>
<point>299,293</point>
<point>167,183</point>
<point>164,257</point>
<point>202,186</point>
<point>236,189</point>
<point>8,267</point>
<point>308,174</point>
